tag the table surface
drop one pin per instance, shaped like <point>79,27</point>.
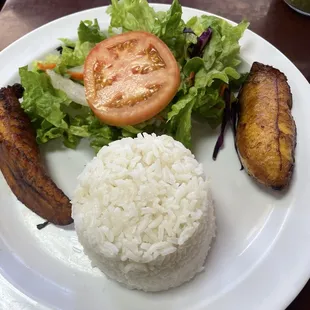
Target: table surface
<point>271,19</point>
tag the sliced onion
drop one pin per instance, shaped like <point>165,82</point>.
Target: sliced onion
<point>74,91</point>
<point>79,69</point>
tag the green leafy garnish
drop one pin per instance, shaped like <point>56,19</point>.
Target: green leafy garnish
<point>55,116</point>
<point>203,75</point>
<point>89,31</point>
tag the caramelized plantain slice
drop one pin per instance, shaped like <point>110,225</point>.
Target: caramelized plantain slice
<point>266,131</point>
<point>21,165</point>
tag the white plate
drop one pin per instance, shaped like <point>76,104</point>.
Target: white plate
<point>261,257</point>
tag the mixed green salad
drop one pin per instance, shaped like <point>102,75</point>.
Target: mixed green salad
<point>206,49</point>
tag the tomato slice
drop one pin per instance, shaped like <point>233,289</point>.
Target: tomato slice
<point>129,78</point>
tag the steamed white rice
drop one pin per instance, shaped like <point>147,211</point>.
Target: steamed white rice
<point>143,212</point>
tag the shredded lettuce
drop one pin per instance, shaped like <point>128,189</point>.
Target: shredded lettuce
<point>132,15</point>
<point>89,31</point>
<point>73,57</point>
<point>206,48</point>
<point>215,63</point>
<point>54,115</point>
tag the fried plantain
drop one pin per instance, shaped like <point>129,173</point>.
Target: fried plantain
<point>266,130</point>
<point>21,165</point>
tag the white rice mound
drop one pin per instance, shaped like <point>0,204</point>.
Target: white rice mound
<point>144,213</point>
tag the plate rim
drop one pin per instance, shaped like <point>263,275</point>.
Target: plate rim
<point>297,285</point>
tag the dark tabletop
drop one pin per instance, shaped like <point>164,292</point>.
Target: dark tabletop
<point>271,19</point>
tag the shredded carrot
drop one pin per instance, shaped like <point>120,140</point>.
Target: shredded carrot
<point>191,78</point>
<point>222,89</point>
<point>49,66</point>
<point>46,66</point>
<point>76,75</point>
<point>192,75</point>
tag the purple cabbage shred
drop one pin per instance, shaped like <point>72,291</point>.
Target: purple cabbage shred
<point>226,118</point>
<point>202,41</point>
<point>230,115</point>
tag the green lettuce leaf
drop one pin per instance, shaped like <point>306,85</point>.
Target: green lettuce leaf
<point>49,59</point>
<point>132,15</point>
<point>217,66</point>
<point>170,23</point>
<point>45,134</point>
<point>68,42</point>
<point>89,31</point>
<point>40,101</point>
<point>210,105</point>
<point>101,134</point>
<point>194,64</point>
<point>54,116</point>
<point>184,126</point>
<point>73,57</point>
<point>182,103</point>
<point>169,28</point>
<point>74,53</point>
